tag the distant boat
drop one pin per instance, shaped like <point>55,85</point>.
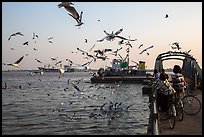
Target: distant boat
<point>120,71</point>
<point>53,69</point>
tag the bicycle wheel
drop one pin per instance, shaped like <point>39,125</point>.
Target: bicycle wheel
<point>179,110</point>
<point>191,105</point>
<point>172,117</point>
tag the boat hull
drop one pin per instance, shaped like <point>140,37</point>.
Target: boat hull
<point>124,79</point>
<point>54,69</point>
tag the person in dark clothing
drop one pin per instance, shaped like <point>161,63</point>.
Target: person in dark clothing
<point>164,90</point>
<point>166,75</point>
<point>178,80</point>
<point>156,75</point>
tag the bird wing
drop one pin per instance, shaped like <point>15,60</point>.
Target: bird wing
<point>19,60</point>
<point>142,51</point>
<point>19,33</point>
<point>38,60</point>
<point>80,17</point>
<point>150,47</point>
<point>106,33</point>
<point>119,31</point>
<point>140,46</point>
<point>102,39</point>
<point>25,43</point>
<point>126,38</point>
<point>73,11</point>
<point>62,4</point>
<point>121,37</point>
<point>9,37</point>
<point>74,17</point>
<point>92,47</point>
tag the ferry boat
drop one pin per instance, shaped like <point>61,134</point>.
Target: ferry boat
<point>53,69</point>
<point>121,71</point>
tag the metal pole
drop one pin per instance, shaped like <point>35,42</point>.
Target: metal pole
<point>155,127</point>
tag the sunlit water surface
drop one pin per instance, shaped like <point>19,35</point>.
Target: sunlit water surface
<point>50,105</point>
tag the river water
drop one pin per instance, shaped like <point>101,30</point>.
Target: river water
<point>50,104</point>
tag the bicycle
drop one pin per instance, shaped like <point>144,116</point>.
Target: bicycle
<point>179,108</point>
<point>171,111</point>
<point>175,109</point>
<point>191,104</point>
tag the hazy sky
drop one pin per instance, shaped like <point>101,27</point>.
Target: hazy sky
<point>144,21</point>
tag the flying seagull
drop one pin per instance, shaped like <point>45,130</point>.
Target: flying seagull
<point>166,16</point>
<point>35,35</point>
<point>14,34</point>
<point>15,64</point>
<point>38,60</point>
<point>26,43</point>
<point>72,12</point>
<point>112,36</point>
<point>146,49</point>
<point>140,46</point>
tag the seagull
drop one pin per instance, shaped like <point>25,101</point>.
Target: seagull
<point>166,16</point>
<point>16,64</point>
<point>112,36</point>
<point>188,51</point>
<point>14,34</point>
<point>50,38</point>
<point>177,45</point>
<point>58,62</point>
<point>72,12</point>
<point>25,43</point>
<point>54,58</point>
<point>140,46</point>
<point>38,60</point>
<point>35,35</point>
<point>61,71</point>
<point>146,49</point>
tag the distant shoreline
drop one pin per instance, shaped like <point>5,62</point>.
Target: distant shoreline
<point>83,70</point>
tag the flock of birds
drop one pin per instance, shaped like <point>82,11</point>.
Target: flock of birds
<point>100,54</point>
<point>76,89</point>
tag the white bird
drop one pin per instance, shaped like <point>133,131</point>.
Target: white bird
<point>112,36</point>
<point>15,64</point>
<point>72,12</point>
<point>61,71</point>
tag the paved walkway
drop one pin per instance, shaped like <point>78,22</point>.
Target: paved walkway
<point>191,124</point>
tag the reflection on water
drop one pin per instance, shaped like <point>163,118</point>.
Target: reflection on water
<point>71,105</point>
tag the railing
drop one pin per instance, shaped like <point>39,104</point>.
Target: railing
<point>154,116</point>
